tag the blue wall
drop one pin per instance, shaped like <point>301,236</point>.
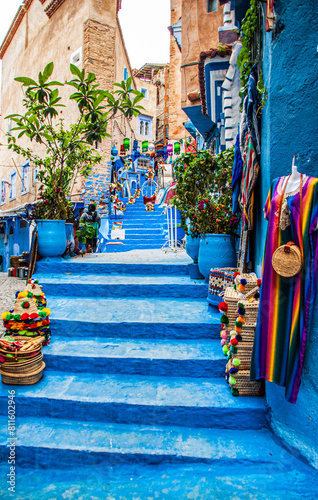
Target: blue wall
<point>290,126</point>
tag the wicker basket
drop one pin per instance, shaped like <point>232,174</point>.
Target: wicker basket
<point>34,348</point>
<point>286,260</point>
<point>245,386</point>
<point>23,379</point>
<point>231,298</point>
<point>247,334</point>
<point>251,311</point>
<point>244,354</point>
<point>220,279</point>
<point>251,281</point>
<point>28,366</point>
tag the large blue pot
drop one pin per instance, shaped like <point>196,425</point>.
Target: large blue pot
<point>216,250</point>
<point>51,237</point>
<point>192,247</point>
<point>70,237</point>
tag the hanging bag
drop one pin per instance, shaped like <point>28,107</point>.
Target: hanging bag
<point>287,259</point>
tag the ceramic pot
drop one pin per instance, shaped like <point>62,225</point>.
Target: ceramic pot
<point>192,247</point>
<point>216,250</point>
<point>51,237</point>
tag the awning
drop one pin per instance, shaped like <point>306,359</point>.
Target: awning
<point>204,125</point>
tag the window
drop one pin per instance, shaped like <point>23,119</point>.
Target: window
<point>3,191</point>
<point>76,57</point>
<point>145,126</point>
<point>212,5</point>
<point>144,91</point>
<point>25,178</point>
<point>36,171</point>
<point>125,74</point>
<point>13,187</point>
<point>143,163</point>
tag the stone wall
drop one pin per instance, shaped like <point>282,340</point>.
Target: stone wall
<point>289,127</point>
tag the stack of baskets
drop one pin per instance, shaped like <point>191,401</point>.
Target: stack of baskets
<point>30,316</point>
<point>238,320</point>
<point>21,361</point>
<point>220,279</point>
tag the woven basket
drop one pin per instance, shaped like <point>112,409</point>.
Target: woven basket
<point>34,347</point>
<point>251,281</point>
<point>251,310</point>
<point>244,354</point>
<point>245,386</point>
<point>23,379</point>
<point>220,279</point>
<point>286,260</point>
<point>247,334</point>
<point>28,366</point>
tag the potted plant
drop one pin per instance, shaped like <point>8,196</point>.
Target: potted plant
<point>203,197</point>
<point>67,150</point>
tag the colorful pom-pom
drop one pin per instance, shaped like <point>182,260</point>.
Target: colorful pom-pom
<point>259,282</point>
<point>223,342</point>
<point>239,338</point>
<point>34,315</point>
<point>241,319</point>
<point>235,391</point>
<point>238,329</point>
<point>234,341</point>
<point>223,334</point>
<point>42,314</point>
<point>243,281</point>
<point>224,319</point>
<point>233,349</point>
<point>5,314</point>
<point>223,306</point>
<point>232,380</point>
<point>241,311</point>
<point>24,316</point>
<point>222,326</point>
<point>225,349</point>
<point>234,286</point>
<point>241,288</point>
<point>30,295</point>
<point>238,323</point>
<point>232,332</point>
<point>236,362</point>
<point>236,274</point>
<point>240,305</point>
<point>233,370</point>
<point>47,311</point>
<point>257,295</point>
<point>22,295</point>
<point>25,304</point>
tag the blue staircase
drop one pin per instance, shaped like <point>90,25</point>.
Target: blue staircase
<point>133,403</point>
<point>144,230</point>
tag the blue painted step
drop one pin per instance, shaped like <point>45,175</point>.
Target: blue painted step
<point>117,286</point>
<point>59,443</point>
<point>136,357</point>
<point>134,318</point>
<point>136,399</point>
<point>99,267</point>
<point>129,246</point>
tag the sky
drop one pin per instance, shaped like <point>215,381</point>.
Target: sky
<point>144,24</point>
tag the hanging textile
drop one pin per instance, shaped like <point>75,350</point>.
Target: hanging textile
<point>248,122</point>
<point>249,179</point>
<point>286,304</point>
<point>236,176</point>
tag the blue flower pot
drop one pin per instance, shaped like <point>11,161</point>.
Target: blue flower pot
<point>216,250</point>
<point>51,237</point>
<point>192,247</point>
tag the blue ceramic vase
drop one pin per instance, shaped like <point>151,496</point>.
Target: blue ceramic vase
<point>51,237</point>
<point>192,247</point>
<point>216,250</point>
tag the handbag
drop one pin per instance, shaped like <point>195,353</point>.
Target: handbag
<point>287,259</point>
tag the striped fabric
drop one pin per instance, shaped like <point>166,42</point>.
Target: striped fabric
<point>286,304</point>
<point>249,178</point>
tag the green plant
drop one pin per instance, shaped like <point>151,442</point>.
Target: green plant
<point>84,232</point>
<point>250,52</point>
<point>68,151</point>
<point>203,192</point>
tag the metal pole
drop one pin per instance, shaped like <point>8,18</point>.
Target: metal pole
<point>175,228</point>
<point>168,224</point>
<point>172,242</point>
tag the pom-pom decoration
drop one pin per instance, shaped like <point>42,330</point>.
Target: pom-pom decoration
<point>232,380</point>
<point>241,306</point>
<point>241,288</point>
<point>235,391</point>
<point>225,349</point>
<point>223,306</point>
<point>22,295</point>
<point>222,326</point>
<point>224,319</point>
<point>238,323</point>
<point>238,329</point>
<point>243,282</point>
<point>25,304</point>
<point>241,319</point>
<point>236,362</point>
<point>42,314</point>
<point>239,338</point>
<point>47,311</point>
<point>234,341</point>
<point>223,334</point>
<point>236,274</point>
<point>233,370</point>
<point>223,342</point>
<point>5,314</point>
<point>234,286</point>
<point>241,311</point>
<point>24,316</point>
<point>34,315</point>
<point>259,282</point>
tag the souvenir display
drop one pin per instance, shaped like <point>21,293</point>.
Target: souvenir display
<point>21,361</point>
<point>286,303</point>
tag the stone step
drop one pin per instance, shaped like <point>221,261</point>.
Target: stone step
<point>96,265</point>
<point>137,357</point>
<point>133,235</point>
<point>157,240</point>
<point>128,247</point>
<point>142,231</point>
<point>134,318</point>
<point>116,286</point>
<point>135,399</point>
<point>61,443</point>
